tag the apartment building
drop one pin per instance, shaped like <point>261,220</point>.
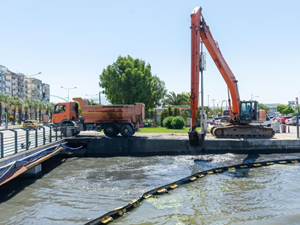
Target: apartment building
<point>8,77</point>
<point>34,88</point>
<point>18,85</point>
<point>2,79</point>
<point>46,93</point>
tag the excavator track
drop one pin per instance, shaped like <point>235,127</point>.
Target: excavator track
<point>242,131</point>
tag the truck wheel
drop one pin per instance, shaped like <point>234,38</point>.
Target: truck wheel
<point>126,130</point>
<point>110,130</point>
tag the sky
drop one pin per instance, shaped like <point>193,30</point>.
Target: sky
<point>71,42</point>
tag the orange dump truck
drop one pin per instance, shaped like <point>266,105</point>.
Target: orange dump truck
<point>113,119</point>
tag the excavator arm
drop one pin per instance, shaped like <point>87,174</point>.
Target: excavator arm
<point>200,30</point>
<point>239,126</point>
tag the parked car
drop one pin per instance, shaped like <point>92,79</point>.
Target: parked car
<point>283,119</point>
<point>217,120</point>
<point>32,124</point>
<point>292,121</point>
<point>274,119</point>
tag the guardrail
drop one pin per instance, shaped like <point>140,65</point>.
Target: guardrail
<point>17,140</point>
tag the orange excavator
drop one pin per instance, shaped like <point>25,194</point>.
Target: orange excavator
<point>242,113</point>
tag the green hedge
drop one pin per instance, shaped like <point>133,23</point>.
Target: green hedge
<point>168,122</point>
<point>176,122</point>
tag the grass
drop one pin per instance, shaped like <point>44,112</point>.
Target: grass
<point>163,130</point>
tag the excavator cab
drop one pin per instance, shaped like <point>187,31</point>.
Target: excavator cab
<point>248,111</point>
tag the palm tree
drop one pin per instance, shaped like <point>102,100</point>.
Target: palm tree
<point>10,105</point>
<point>26,107</point>
<point>14,101</point>
<point>50,109</point>
<point>3,99</point>
<point>179,99</point>
<point>35,106</point>
<point>41,106</point>
<point>19,104</point>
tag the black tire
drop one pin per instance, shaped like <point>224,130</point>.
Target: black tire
<point>110,130</point>
<point>126,130</point>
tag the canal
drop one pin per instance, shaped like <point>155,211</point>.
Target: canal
<point>75,190</point>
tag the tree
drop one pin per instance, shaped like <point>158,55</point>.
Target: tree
<point>26,108</point>
<point>176,111</point>
<point>130,80</point>
<point>50,109</point>
<point>280,108</point>
<point>262,106</point>
<point>198,114</point>
<point>19,104</point>
<point>155,118</point>
<point>41,107</point>
<point>12,108</point>
<point>3,100</point>
<point>163,115</point>
<point>179,99</point>
<point>170,111</point>
<point>35,106</point>
<point>288,110</point>
<point>184,114</point>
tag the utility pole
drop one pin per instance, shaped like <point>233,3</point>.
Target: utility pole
<point>202,111</point>
<point>297,123</point>
<point>207,101</point>
<point>99,97</point>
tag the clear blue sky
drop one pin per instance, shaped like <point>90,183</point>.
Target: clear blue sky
<point>71,42</point>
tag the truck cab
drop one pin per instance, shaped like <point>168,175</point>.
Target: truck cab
<point>65,112</point>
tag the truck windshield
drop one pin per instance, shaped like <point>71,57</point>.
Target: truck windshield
<point>60,109</point>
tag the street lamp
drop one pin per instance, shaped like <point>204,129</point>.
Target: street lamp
<point>213,100</point>
<point>207,101</point>
<point>252,97</point>
<point>91,96</point>
<point>222,104</point>
<point>68,90</point>
<point>30,76</point>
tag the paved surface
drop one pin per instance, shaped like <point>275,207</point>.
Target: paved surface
<point>291,135</point>
<point>10,126</point>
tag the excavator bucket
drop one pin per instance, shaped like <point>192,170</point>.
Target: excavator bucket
<point>196,139</point>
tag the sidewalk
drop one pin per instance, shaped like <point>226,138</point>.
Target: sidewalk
<point>10,126</point>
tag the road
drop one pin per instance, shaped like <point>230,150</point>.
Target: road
<point>14,139</point>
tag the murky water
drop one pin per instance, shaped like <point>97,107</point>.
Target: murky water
<point>79,189</point>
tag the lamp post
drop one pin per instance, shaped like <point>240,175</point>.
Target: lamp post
<point>207,101</point>
<point>91,96</point>
<point>222,105</point>
<point>68,90</point>
<point>252,97</point>
<point>30,76</point>
<point>297,121</point>
<point>213,100</point>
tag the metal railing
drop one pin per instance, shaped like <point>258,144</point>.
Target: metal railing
<point>17,140</point>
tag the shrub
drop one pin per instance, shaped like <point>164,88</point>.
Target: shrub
<point>170,111</point>
<point>177,122</point>
<point>176,111</point>
<point>168,122</point>
<point>163,115</point>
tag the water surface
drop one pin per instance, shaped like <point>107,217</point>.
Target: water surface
<point>79,189</point>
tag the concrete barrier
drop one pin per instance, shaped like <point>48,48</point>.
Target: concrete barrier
<point>144,146</point>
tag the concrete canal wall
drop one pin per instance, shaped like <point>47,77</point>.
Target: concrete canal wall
<point>179,145</point>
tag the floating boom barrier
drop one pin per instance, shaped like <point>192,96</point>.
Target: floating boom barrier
<point>120,211</point>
